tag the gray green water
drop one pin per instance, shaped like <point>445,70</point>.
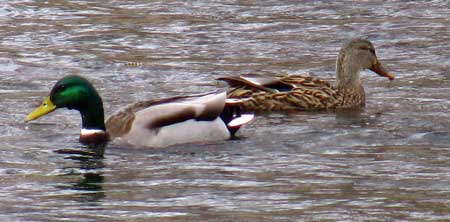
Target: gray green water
<point>389,162</point>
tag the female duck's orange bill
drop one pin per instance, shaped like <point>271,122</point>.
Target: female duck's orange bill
<point>380,70</point>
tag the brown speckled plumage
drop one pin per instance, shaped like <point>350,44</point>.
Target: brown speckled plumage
<point>296,92</point>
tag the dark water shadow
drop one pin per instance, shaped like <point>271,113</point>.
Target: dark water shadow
<point>90,187</point>
<point>87,170</point>
<point>83,152</point>
<point>353,117</point>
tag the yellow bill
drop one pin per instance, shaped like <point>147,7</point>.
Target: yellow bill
<point>46,107</point>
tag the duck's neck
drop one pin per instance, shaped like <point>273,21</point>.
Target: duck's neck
<point>93,122</point>
<point>347,75</point>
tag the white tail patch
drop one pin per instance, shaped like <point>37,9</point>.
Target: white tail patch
<point>234,101</point>
<point>239,121</point>
<point>87,132</point>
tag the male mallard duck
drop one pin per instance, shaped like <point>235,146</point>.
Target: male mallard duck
<point>160,123</point>
<point>295,92</point>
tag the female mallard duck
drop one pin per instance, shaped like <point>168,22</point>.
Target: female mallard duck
<point>160,123</point>
<point>295,92</point>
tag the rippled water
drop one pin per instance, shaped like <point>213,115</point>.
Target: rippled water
<point>389,162</point>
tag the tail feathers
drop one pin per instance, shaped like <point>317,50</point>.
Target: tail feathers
<point>241,81</point>
<point>233,117</point>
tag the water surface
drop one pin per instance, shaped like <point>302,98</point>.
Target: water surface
<point>388,162</point>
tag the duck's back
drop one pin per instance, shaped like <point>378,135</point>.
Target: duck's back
<point>294,92</point>
<point>162,123</point>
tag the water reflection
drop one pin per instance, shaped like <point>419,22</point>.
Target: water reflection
<point>86,178</point>
<point>387,162</point>
<point>85,152</point>
<point>348,116</point>
<point>90,187</point>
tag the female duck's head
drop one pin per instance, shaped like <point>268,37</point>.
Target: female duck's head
<point>356,55</point>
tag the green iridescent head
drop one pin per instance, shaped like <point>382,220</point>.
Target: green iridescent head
<point>74,92</point>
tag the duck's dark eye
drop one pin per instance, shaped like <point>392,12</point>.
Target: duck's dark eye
<point>61,87</point>
<point>372,50</point>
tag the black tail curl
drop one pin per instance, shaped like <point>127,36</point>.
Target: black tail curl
<point>230,112</point>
